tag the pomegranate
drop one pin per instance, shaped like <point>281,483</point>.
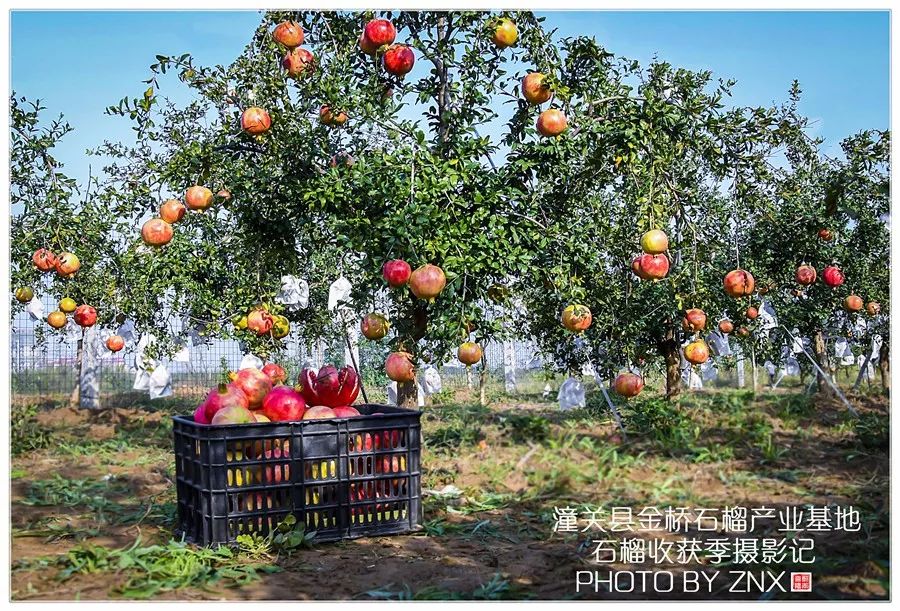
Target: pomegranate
<point>200,414</point>
<point>873,308</point>
<point>505,34</point>
<point>24,294</point>
<point>469,353</point>
<point>535,88</point>
<point>743,332</point>
<point>697,352</point>
<point>576,317</point>
<point>115,343</point>
<point>225,395</point>
<point>233,414</point>
<point>752,313</point>
<point>275,372</point>
<point>346,411</point>
<point>379,32</point>
<point>739,283</point>
<point>833,276</point>
<point>328,117</point>
<point>366,45</point>
<point>44,260</point>
<point>399,367</point>
<point>427,282</point>
<point>694,320</point>
<point>637,269</point>
<point>198,198</point>
<point>398,60</point>
<point>281,327</point>
<point>67,305</point>
<point>726,326</point>
<point>288,34</point>
<point>628,384</point>
<point>805,274</point>
<point>330,386</point>
<point>255,121</point>
<point>260,321</point>
<point>284,404</point>
<point>319,412</point>
<point>172,211</point>
<point>255,384</point>
<point>853,303</point>
<point>57,319</point>
<point>67,264</point>
<point>396,272</point>
<point>825,234</point>
<point>552,122</point>
<point>156,232</point>
<point>342,158</point>
<point>274,473</point>
<point>85,316</point>
<point>655,267</point>
<point>654,242</point>
<point>224,195</point>
<point>374,326</point>
<point>297,62</point>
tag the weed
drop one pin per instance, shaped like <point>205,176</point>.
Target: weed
<point>872,430</point>
<point>524,428</point>
<point>25,434</point>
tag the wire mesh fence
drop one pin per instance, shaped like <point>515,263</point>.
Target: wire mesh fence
<point>45,369</point>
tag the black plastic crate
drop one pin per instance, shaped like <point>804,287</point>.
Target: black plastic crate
<point>341,478</point>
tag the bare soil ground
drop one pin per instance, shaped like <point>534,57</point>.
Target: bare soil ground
<point>85,486</point>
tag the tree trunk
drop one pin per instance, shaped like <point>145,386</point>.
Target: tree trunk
<point>884,364</point>
<point>670,351</point>
<point>75,395</point>
<point>407,395</point>
<point>754,372</point>
<point>821,353</point>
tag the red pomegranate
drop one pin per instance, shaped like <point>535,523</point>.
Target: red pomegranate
<point>398,60</point>
<point>157,232</point>
<point>552,122</point>
<point>297,62</point>
<point>329,386</point>
<point>427,282</point>
<point>469,353</point>
<point>200,414</point>
<point>636,268</point>
<point>225,395</point>
<point>873,308</point>
<point>198,198</point>
<point>346,411</point>
<point>374,326</point>
<point>275,372</point>
<point>379,32</point>
<point>85,315</point>
<point>255,384</point>
<point>115,343</point>
<point>44,260</point>
<point>853,303</point>
<point>535,89</point>
<point>366,45</point>
<point>628,384</point>
<point>825,234</point>
<point>172,211</point>
<point>284,404</point>
<point>697,352</point>
<point>328,117</point>
<point>752,313</point>
<point>288,34</point>
<point>260,321</point>
<point>576,317</point>
<point>694,320</point>
<point>805,274</point>
<point>739,283</point>
<point>833,276</point>
<point>726,326</point>
<point>396,272</point>
<point>743,332</point>
<point>399,367</point>
<point>255,121</point>
<point>655,267</point>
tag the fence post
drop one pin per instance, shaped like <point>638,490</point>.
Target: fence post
<point>88,380</point>
<point>509,366</point>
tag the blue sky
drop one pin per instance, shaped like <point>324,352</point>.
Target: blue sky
<point>842,59</point>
